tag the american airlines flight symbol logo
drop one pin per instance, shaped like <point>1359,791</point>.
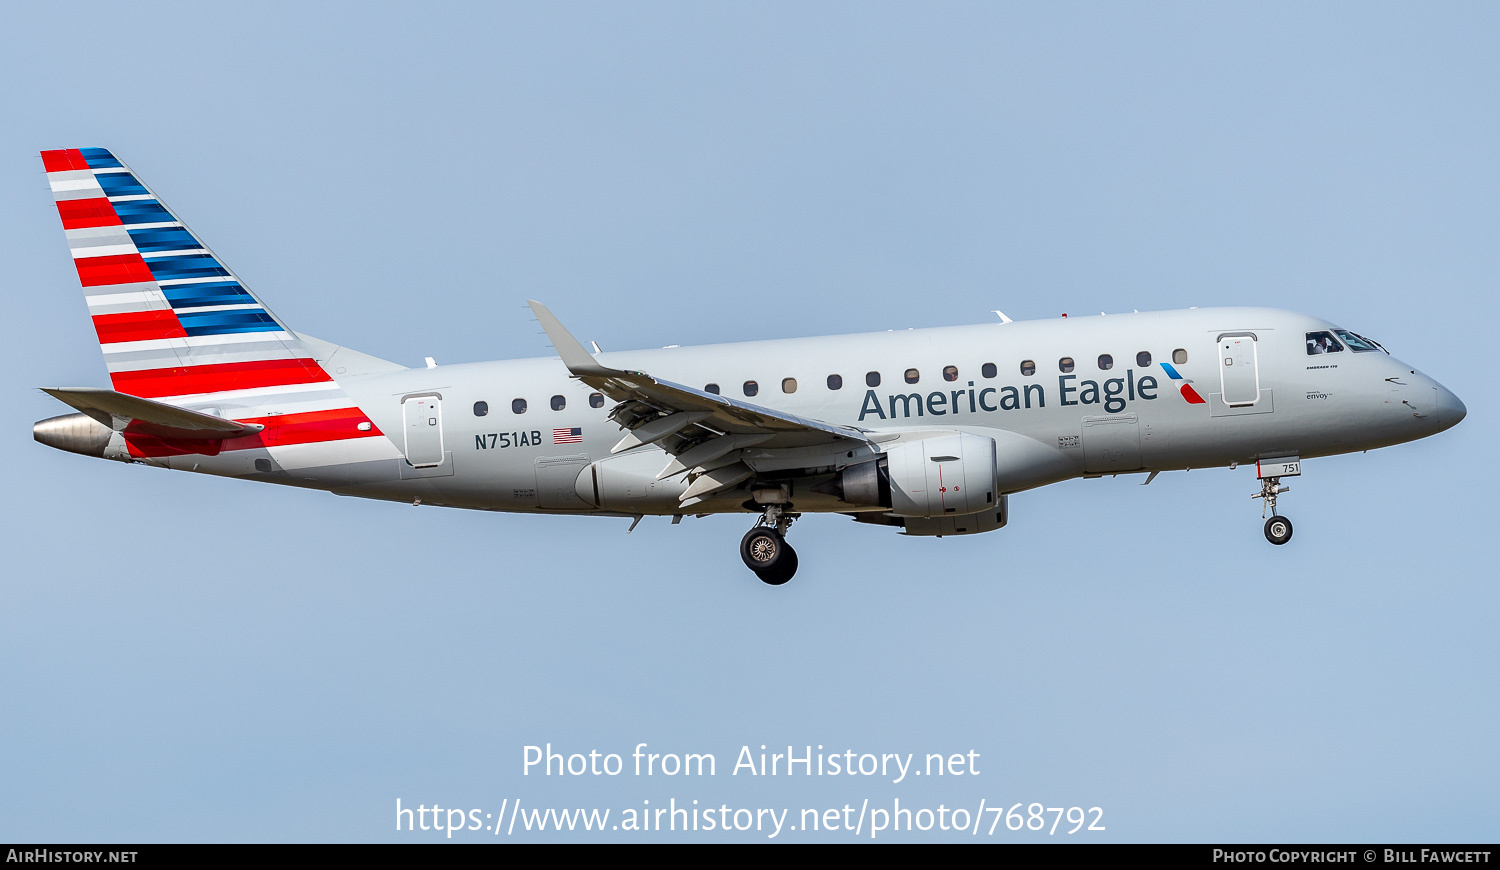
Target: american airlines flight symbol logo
<point>1185,386</point>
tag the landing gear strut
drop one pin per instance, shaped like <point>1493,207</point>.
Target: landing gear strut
<point>1278,528</point>
<point>765,550</point>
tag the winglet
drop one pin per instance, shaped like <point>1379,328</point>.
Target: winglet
<point>578,360</point>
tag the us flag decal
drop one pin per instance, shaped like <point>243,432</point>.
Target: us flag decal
<point>567,436</point>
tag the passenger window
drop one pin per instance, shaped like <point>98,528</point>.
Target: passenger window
<point>558,403</point>
<point>1322,342</point>
<point>988,370</point>
<point>1143,359</point>
<point>1065,364</point>
<point>518,406</point>
<point>789,385</point>
<point>872,379</point>
<point>912,376</point>
<point>1106,362</point>
<point>481,408</point>
<point>1028,368</point>
<point>1179,356</point>
<point>835,382</point>
<point>596,400</point>
<point>711,388</point>
<point>751,388</point>
<point>950,373</point>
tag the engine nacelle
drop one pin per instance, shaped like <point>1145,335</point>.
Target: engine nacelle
<point>938,527</point>
<point>972,524</point>
<point>942,475</point>
<point>938,476</point>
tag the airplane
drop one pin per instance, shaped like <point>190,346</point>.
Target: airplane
<point>926,431</point>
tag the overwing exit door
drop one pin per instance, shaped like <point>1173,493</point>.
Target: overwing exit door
<point>1239,373</point>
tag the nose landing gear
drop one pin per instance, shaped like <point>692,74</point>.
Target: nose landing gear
<point>765,550</point>
<point>1278,528</point>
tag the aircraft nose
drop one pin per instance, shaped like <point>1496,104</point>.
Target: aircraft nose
<point>1450,409</point>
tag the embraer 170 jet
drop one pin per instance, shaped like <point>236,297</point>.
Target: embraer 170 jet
<point>927,430</point>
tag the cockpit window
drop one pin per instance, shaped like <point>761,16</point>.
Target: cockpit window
<point>1322,342</point>
<point>1358,343</point>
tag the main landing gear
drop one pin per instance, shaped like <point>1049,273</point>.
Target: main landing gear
<point>1278,528</point>
<point>765,550</point>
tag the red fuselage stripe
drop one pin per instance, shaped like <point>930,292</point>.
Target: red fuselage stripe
<point>281,430</point>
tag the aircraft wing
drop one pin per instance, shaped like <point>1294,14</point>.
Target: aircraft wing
<point>697,427</point>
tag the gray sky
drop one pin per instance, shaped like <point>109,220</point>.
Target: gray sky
<point>187,658</point>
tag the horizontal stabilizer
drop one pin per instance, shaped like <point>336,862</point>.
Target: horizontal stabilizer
<point>118,410</point>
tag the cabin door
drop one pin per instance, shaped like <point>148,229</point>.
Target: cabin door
<point>1239,373</point>
<point>424,430</point>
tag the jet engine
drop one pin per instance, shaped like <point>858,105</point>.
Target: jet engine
<point>938,476</point>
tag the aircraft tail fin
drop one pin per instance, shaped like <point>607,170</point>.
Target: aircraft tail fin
<point>172,319</point>
<point>180,330</point>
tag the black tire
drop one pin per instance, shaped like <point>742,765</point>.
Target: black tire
<point>1278,530</point>
<point>762,549</point>
<point>786,566</point>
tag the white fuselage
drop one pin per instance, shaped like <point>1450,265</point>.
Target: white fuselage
<point>1048,424</point>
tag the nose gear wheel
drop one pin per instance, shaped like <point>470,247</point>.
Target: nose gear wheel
<point>1278,528</point>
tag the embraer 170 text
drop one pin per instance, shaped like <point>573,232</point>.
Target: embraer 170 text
<point>925,430</point>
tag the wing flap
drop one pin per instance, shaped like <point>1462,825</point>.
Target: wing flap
<point>700,455</point>
<point>655,430</point>
<point>717,480</point>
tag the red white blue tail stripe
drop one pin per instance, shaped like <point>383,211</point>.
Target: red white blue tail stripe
<point>176,324</point>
